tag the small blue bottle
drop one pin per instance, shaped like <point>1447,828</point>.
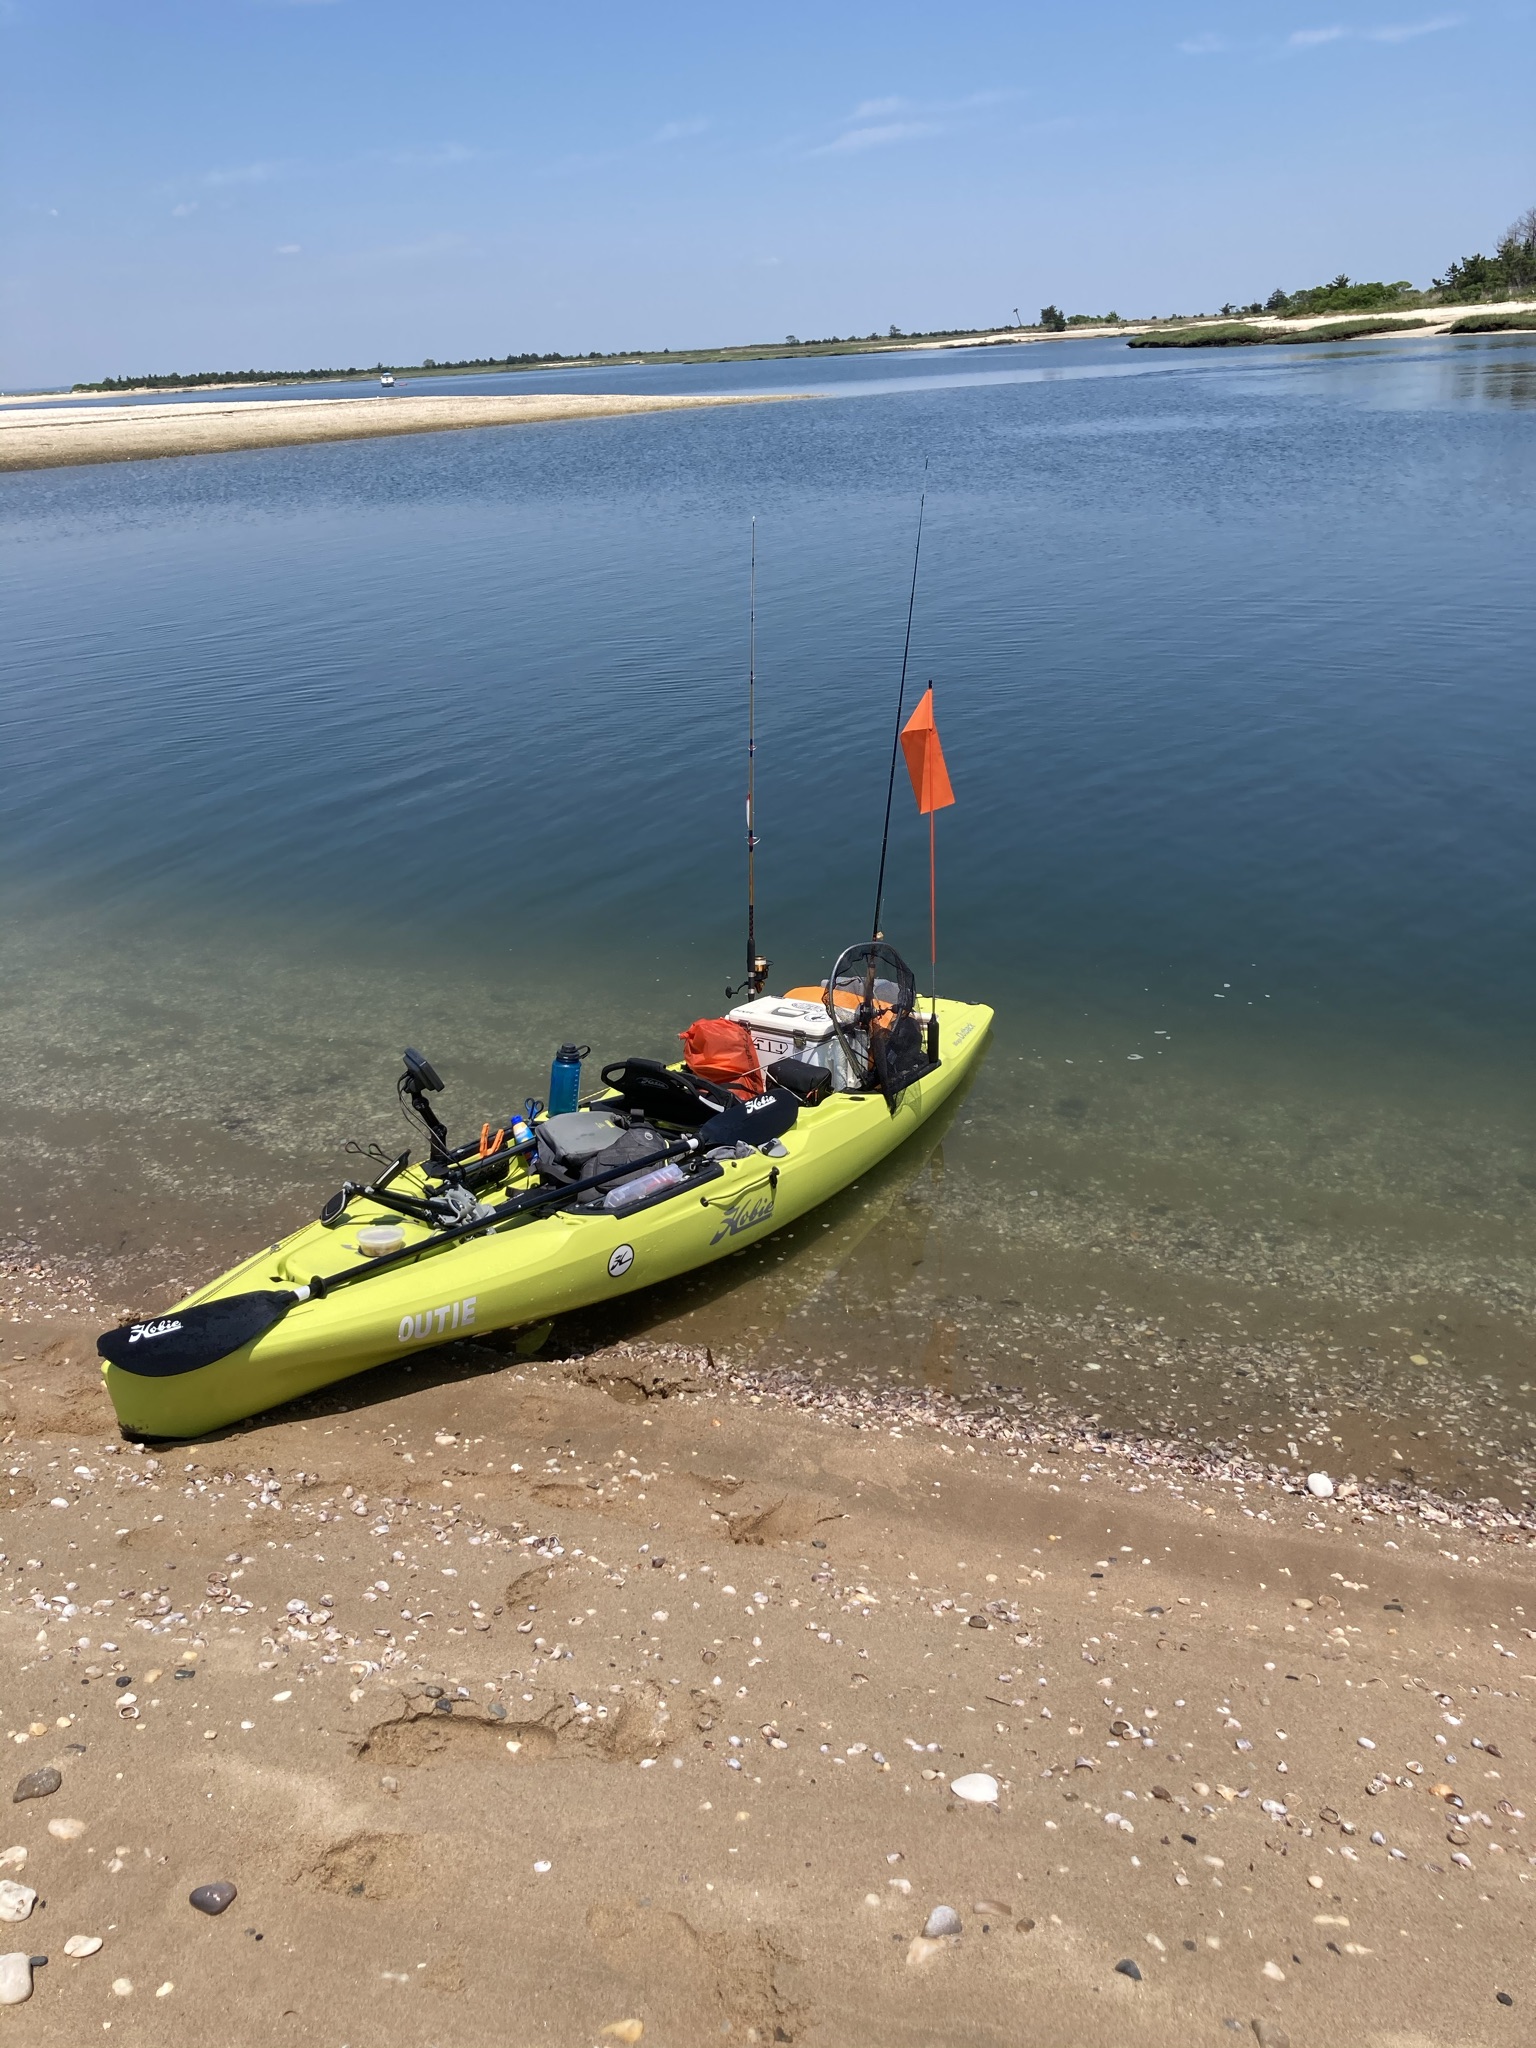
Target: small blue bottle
<point>565,1078</point>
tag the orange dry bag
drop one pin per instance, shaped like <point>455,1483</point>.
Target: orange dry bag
<point>718,1050</point>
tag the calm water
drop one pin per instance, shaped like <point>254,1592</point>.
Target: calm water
<point>311,751</point>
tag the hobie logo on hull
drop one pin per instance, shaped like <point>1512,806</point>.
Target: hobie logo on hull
<point>438,1322</point>
<point>748,1210</point>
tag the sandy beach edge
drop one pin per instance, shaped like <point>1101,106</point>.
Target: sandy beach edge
<point>612,1689</point>
<point>94,434</point>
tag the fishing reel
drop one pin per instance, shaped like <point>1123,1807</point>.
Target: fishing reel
<point>419,1080</point>
<point>755,983</point>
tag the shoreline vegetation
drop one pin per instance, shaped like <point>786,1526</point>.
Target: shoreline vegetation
<point>1508,275</point>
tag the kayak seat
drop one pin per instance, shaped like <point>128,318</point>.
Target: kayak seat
<point>568,1142</point>
<point>663,1095</point>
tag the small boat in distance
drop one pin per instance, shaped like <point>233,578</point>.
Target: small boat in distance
<point>387,381</point>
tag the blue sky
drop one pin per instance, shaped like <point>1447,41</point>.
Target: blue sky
<point>193,184</point>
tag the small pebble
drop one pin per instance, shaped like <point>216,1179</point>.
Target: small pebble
<point>80,1945</point>
<point>15,1978</point>
<point>941,1921</point>
<point>1378,1839</point>
<point>1503,1997</point>
<point>14,1858</point>
<point>1268,2035</point>
<point>1274,1972</point>
<point>122,1987</point>
<point>66,1830</point>
<point>16,1900</point>
<point>977,1787</point>
<point>628,2031</point>
<point>212,1898</point>
<point>1128,1967</point>
<point>37,1784</point>
<point>1320,1486</point>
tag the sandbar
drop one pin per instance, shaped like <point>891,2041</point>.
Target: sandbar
<point>132,433</point>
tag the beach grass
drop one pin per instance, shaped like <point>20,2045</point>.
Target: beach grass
<point>1231,334</point>
<point>1493,323</point>
<point>1238,333</point>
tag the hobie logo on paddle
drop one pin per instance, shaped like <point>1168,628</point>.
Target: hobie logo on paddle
<point>747,1211</point>
<point>164,1328</point>
<point>437,1322</point>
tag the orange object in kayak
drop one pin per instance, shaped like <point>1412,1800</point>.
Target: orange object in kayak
<point>718,1050</point>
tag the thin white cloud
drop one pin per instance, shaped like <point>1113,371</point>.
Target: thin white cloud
<point>853,140</point>
<point>1203,45</point>
<point>438,156</point>
<point>873,110</point>
<point>1389,32</point>
<point>251,174</point>
<point>288,248</point>
<point>1410,31</point>
<point>679,131</point>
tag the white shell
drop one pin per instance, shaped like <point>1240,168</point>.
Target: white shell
<point>66,1830</point>
<point>941,1921</point>
<point>82,1944</point>
<point>16,1900</point>
<point>1319,1485</point>
<point>976,1786</point>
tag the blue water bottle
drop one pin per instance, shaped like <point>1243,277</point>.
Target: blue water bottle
<point>565,1078</point>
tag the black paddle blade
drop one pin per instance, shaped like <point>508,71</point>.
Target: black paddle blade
<point>194,1337</point>
<point>756,1122</point>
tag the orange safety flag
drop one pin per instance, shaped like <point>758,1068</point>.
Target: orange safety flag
<point>925,758</point>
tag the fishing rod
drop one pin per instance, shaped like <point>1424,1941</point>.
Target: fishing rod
<point>757,967</point>
<point>901,695</point>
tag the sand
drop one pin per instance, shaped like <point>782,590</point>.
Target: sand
<point>525,1698</point>
<point>130,433</point>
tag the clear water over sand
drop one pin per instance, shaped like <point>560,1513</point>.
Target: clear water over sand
<point>311,752</point>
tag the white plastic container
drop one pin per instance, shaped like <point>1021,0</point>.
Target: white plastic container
<point>789,1028</point>
<point>378,1240</point>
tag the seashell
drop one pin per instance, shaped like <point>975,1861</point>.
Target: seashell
<point>942,1921</point>
<point>80,1945</point>
<point>979,1788</point>
<point>66,1830</point>
<point>1320,1486</point>
<point>16,1900</point>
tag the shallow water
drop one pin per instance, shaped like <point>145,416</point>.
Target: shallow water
<point>313,751</point>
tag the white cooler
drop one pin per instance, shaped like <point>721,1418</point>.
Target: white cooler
<point>787,1028</point>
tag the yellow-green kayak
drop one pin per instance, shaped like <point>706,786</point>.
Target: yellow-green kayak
<point>510,1274</point>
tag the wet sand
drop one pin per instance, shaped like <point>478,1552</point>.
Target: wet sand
<point>522,1699</point>
<point>131,433</point>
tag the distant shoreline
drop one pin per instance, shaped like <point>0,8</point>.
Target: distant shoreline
<point>1436,320</point>
<point>91,433</point>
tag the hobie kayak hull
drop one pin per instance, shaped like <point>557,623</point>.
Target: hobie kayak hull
<point>528,1273</point>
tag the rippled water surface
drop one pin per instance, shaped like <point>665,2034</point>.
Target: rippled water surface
<point>310,751</point>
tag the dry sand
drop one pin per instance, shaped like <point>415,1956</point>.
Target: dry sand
<point>525,1699</point>
<point>130,433</point>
